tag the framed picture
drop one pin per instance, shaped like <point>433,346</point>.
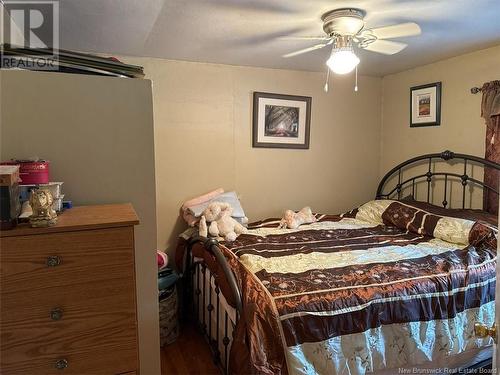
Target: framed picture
<point>425,105</point>
<point>281,121</point>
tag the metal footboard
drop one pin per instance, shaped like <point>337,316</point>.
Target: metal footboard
<point>215,318</point>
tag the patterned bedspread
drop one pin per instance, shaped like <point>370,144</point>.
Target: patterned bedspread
<point>389,284</point>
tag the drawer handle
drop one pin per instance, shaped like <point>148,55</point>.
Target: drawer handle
<point>56,314</point>
<point>53,261</point>
<point>61,364</point>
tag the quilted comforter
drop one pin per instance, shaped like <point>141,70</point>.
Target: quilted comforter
<point>388,284</point>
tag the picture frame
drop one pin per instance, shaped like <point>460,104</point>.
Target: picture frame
<point>425,105</point>
<point>281,121</point>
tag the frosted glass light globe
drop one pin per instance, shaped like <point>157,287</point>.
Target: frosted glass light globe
<point>342,61</point>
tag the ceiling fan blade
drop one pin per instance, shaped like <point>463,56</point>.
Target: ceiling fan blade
<point>304,38</point>
<point>305,50</point>
<point>397,31</point>
<point>386,47</point>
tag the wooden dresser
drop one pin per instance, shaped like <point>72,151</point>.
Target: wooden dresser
<point>67,295</point>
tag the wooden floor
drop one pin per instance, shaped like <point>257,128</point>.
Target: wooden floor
<point>189,354</point>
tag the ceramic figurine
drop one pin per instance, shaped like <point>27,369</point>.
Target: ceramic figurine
<point>41,203</point>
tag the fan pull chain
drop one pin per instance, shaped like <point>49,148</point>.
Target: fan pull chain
<point>327,79</point>
<point>356,82</point>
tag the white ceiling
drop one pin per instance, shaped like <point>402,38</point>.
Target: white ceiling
<point>247,32</point>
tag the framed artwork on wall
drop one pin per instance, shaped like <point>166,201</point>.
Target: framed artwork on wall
<point>281,121</point>
<point>425,105</point>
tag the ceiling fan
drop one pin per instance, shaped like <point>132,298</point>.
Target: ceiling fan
<point>344,29</point>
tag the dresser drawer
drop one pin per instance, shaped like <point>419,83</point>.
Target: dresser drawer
<point>93,328</point>
<point>64,259</point>
<point>96,362</point>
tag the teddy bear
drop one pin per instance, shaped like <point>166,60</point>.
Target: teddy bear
<point>218,214</point>
<point>293,220</point>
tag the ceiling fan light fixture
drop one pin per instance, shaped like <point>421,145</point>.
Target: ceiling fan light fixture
<point>342,60</point>
<point>345,28</point>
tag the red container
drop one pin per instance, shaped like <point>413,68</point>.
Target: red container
<point>31,172</point>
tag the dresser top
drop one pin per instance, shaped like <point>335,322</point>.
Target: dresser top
<point>83,218</point>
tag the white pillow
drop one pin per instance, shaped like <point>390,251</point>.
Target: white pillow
<point>229,197</point>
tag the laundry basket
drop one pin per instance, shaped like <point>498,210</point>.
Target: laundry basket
<point>168,303</point>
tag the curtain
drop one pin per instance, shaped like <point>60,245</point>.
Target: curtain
<point>490,111</point>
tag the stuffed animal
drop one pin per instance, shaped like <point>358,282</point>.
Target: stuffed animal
<point>293,220</point>
<point>218,214</point>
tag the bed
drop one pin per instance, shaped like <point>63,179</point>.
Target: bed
<point>396,283</point>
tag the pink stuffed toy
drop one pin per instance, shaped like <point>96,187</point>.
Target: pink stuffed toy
<point>292,220</point>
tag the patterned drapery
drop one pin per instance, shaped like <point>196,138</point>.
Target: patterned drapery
<point>490,111</point>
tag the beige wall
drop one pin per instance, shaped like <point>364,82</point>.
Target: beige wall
<point>98,134</point>
<point>203,121</point>
<point>462,129</point>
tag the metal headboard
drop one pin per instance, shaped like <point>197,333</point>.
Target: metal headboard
<point>464,178</point>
